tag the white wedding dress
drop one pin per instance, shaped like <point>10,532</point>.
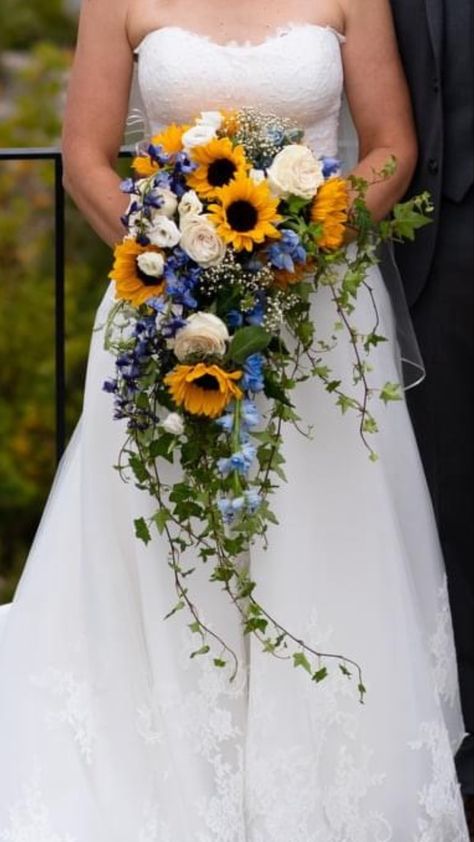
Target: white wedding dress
<point>108,731</point>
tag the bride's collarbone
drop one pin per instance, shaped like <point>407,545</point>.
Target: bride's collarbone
<point>223,29</point>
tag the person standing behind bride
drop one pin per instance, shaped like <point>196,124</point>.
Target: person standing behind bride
<point>436,43</point>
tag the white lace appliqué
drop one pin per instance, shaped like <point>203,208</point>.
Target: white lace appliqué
<point>440,799</point>
<point>442,650</point>
<point>74,708</point>
<point>30,819</point>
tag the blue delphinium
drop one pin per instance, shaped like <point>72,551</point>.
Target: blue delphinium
<point>331,166</point>
<point>252,381</point>
<point>287,251</point>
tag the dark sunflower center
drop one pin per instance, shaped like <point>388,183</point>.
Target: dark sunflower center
<point>242,215</point>
<point>220,172</point>
<point>207,382</point>
<point>147,280</point>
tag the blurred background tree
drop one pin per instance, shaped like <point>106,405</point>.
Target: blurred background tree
<point>36,43</point>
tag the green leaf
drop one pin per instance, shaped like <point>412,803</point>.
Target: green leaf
<point>248,340</point>
<point>218,662</point>
<point>300,660</point>
<point>345,671</point>
<point>390,392</point>
<point>160,519</point>
<point>202,651</point>
<point>255,624</point>
<point>138,468</point>
<point>141,530</point>
<point>320,675</point>
<point>178,607</point>
<point>163,446</point>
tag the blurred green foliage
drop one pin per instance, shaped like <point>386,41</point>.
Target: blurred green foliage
<point>23,22</point>
<point>27,448</point>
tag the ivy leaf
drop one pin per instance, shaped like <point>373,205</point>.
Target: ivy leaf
<point>345,671</point>
<point>202,651</point>
<point>300,660</point>
<point>320,675</point>
<point>218,662</point>
<point>138,468</point>
<point>163,446</point>
<point>390,392</point>
<point>141,530</point>
<point>178,607</point>
<point>255,624</point>
<point>160,519</point>
<point>248,340</point>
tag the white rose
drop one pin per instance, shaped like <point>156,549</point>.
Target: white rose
<point>210,118</point>
<point>202,334</point>
<point>198,136</point>
<point>151,263</point>
<point>257,176</point>
<point>168,201</point>
<point>201,241</point>
<point>164,232</point>
<point>190,205</point>
<point>295,172</point>
<point>173,424</point>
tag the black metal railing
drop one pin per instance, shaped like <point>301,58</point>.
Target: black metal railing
<point>53,154</point>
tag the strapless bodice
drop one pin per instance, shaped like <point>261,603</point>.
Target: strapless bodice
<point>296,73</point>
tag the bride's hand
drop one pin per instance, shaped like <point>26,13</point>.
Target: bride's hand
<point>96,111</point>
<point>379,101</point>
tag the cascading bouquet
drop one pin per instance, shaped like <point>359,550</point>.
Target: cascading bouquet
<point>232,224</point>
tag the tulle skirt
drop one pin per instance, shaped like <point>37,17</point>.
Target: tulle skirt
<point>109,732</point>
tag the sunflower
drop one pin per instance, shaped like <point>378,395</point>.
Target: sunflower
<point>171,139</point>
<point>131,283</point>
<point>203,389</point>
<point>330,209</point>
<point>218,163</point>
<point>246,214</point>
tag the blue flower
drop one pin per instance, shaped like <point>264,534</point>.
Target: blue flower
<point>157,304</point>
<point>127,185</point>
<point>331,166</point>
<point>171,327</point>
<point>226,422</point>
<point>253,373</point>
<point>250,414</point>
<point>234,318</point>
<point>110,386</point>
<point>256,315</point>
<point>253,500</point>
<point>158,154</point>
<point>229,507</point>
<point>287,251</point>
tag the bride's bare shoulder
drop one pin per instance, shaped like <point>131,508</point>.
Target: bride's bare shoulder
<point>101,20</point>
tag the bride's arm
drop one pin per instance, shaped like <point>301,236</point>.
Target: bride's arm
<point>95,115</point>
<point>379,101</point>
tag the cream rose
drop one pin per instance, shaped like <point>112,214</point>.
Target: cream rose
<point>210,118</point>
<point>173,424</point>
<point>203,334</point>
<point>200,240</point>
<point>295,172</point>
<point>164,233</point>
<point>198,136</point>
<point>151,263</point>
<point>190,205</point>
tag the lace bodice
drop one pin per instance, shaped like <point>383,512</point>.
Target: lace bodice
<point>296,73</point>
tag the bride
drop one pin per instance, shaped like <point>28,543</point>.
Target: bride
<point>108,731</point>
